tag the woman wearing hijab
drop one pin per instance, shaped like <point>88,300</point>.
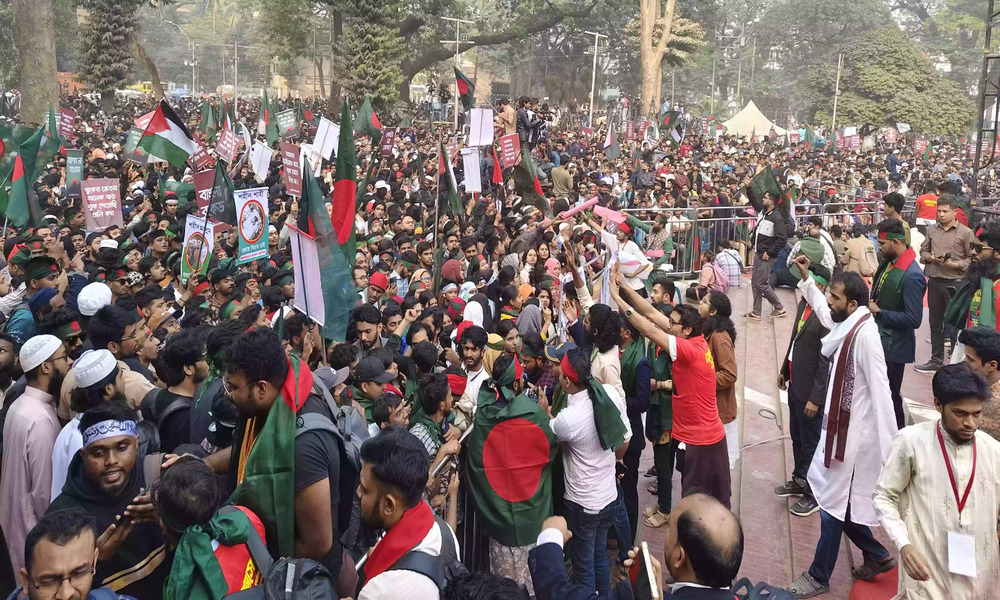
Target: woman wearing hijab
<point>487,313</point>
<point>452,270</point>
<point>530,320</point>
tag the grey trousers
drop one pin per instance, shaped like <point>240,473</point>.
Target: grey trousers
<point>761,285</point>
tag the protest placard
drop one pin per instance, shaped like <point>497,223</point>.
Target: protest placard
<point>291,171</point>
<point>793,137</point>
<point>473,172</point>
<point>252,217</point>
<point>203,182</point>
<point>890,136</point>
<point>67,118</point>
<point>855,142</point>
<point>227,146</point>
<point>199,239</point>
<point>920,146</point>
<point>308,278</point>
<point>288,125</point>
<point>132,151</point>
<point>388,139</point>
<point>260,161</point>
<point>630,131</point>
<point>481,127</point>
<point>508,150</point>
<point>327,136</point>
<point>74,172</point>
<point>200,159</point>
<point>102,205</point>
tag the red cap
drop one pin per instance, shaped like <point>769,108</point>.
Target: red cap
<point>379,280</point>
<point>625,228</point>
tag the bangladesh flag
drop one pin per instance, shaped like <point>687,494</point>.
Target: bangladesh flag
<point>810,136</point>
<point>466,91</point>
<point>511,449</point>
<point>208,124</point>
<point>765,181</point>
<point>21,205</point>
<point>928,150</point>
<point>304,114</point>
<point>367,123</point>
<point>445,166</point>
<point>526,178</point>
<point>167,137</point>
<point>345,189</point>
<point>670,119</point>
<point>611,148</point>
<point>51,142</point>
<point>222,204</point>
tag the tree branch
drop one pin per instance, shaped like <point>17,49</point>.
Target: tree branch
<point>536,24</point>
<point>668,21</point>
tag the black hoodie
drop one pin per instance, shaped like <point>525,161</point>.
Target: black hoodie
<point>142,563</point>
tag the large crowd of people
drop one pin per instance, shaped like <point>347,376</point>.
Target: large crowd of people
<point>480,423</point>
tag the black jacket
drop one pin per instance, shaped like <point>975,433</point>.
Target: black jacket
<point>772,244</point>
<point>809,369</point>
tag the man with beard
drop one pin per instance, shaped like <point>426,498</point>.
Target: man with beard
<point>394,467</point>
<point>107,479</point>
<point>41,274</point>
<point>897,305</point>
<point>982,353</point>
<point>122,333</point>
<point>472,344</point>
<point>182,367</point>
<point>30,431</point>
<point>858,427</point>
<point>430,426</point>
<point>222,288</point>
<point>975,302</point>
<point>929,462</point>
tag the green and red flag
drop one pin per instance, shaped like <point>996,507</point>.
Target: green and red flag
<point>167,137</point>
<point>611,148</point>
<point>511,449</point>
<point>670,119</point>
<point>526,178</point>
<point>345,188</point>
<point>271,127</point>
<point>445,167</point>
<point>51,141</point>
<point>222,204</point>
<point>367,123</point>
<point>466,91</point>
<point>22,206</point>
<point>208,124</point>
<point>228,115</point>
<point>765,181</point>
<point>304,114</point>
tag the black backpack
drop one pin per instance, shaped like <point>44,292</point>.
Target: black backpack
<point>285,579</point>
<point>149,428</point>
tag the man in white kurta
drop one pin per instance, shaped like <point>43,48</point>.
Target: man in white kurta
<point>917,506</point>
<point>843,484</point>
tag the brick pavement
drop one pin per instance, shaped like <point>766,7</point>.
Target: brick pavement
<point>779,546</point>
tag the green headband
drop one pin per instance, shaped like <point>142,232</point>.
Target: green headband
<point>407,264</point>
<point>528,352</point>
<point>228,310</point>
<point>885,235</point>
<point>170,234</point>
<point>67,330</point>
<point>818,278</point>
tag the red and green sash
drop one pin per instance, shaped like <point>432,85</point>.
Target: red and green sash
<point>888,289</point>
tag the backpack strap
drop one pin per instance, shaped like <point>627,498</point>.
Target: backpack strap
<point>316,422</point>
<point>258,549</point>
<point>152,468</point>
<point>422,563</point>
<point>175,406</point>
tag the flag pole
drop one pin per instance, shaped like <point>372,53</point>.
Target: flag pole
<point>437,198</point>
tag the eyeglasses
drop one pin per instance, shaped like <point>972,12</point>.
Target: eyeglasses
<point>49,586</point>
<point>230,390</point>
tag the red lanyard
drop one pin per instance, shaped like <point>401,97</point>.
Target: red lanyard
<point>951,473</point>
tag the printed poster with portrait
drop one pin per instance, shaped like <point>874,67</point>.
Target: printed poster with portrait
<point>252,221</point>
<point>199,238</point>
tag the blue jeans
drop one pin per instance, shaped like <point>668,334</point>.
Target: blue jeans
<point>622,527</point>
<point>828,547</point>
<point>588,548</point>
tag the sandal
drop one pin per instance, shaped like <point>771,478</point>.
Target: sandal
<point>778,313</point>
<point>658,519</point>
<point>653,488</point>
<point>870,569</point>
<point>752,315</point>
<point>807,587</point>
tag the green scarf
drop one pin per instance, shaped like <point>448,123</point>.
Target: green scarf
<point>492,390</point>
<point>962,309</point>
<point>509,312</point>
<point>888,285</point>
<point>363,401</point>
<point>435,430</point>
<point>268,487</point>
<point>196,573</point>
<point>631,355</point>
<point>659,360</point>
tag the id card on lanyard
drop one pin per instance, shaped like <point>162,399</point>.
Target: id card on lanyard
<point>961,547</point>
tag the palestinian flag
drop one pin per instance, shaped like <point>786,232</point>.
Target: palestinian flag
<point>208,124</point>
<point>345,189</point>
<point>765,181</point>
<point>367,123</point>
<point>21,207</point>
<point>222,205</point>
<point>229,115</point>
<point>466,91</point>
<point>526,178</point>
<point>611,148</point>
<point>167,137</point>
<point>511,449</point>
<point>335,259</point>
<point>445,166</point>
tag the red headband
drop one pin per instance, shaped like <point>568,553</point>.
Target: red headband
<point>567,369</point>
<point>201,288</point>
<point>457,384</point>
<point>518,369</point>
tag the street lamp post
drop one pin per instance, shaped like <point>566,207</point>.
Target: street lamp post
<point>191,47</point>
<point>593,74</point>
<point>457,42</point>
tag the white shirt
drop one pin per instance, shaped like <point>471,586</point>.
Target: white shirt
<point>466,406</point>
<point>590,469</point>
<point>390,585</point>
<point>68,443</point>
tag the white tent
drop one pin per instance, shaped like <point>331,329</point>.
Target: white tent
<point>750,121</point>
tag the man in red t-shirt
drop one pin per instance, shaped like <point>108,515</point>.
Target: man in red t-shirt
<point>696,414</point>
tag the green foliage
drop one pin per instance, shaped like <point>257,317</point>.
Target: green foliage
<point>106,58</point>
<point>886,79</point>
<point>369,54</point>
<point>8,66</point>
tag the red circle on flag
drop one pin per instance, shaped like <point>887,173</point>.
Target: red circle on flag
<point>514,455</point>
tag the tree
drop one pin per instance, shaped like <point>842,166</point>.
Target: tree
<point>652,52</point>
<point>34,37</point>
<point>369,54</point>
<point>685,40</point>
<point>106,56</point>
<point>887,79</point>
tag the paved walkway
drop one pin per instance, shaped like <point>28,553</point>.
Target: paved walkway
<point>778,546</point>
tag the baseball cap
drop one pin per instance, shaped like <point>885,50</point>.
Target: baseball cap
<point>372,369</point>
<point>556,352</point>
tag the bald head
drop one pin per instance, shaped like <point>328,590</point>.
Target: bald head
<point>706,544</point>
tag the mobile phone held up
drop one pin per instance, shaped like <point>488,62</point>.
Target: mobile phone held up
<point>643,576</point>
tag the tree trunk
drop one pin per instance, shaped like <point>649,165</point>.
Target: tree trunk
<point>34,34</point>
<point>319,74</point>
<point>149,65</point>
<point>650,55</point>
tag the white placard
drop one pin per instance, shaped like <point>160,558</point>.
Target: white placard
<point>309,155</point>
<point>327,136</point>
<point>260,161</point>
<point>308,286</point>
<point>902,127</point>
<point>481,127</point>
<point>849,131</point>
<point>471,165</point>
